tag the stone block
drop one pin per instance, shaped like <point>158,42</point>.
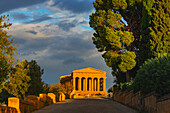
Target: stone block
<point>14,102</point>
<point>52,96</point>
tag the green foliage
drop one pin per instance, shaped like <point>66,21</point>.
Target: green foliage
<point>127,61</point>
<point>7,50</point>
<point>18,83</point>
<point>45,88</point>
<point>160,27</point>
<point>53,88</point>
<point>126,86</point>
<point>110,90</point>
<point>155,29</point>
<point>25,110</point>
<point>115,37</point>
<point>4,95</point>
<point>35,73</point>
<point>144,45</point>
<point>153,75</point>
<point>67,89</point>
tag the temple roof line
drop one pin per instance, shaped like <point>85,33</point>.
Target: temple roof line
<point>89,69</point>
<point>84,70</point>
<point>65,76</point>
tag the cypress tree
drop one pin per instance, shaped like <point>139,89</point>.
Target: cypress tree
<point>160,28</point>
<point>155,29</point>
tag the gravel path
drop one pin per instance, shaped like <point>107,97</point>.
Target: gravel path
<point>90,105</point>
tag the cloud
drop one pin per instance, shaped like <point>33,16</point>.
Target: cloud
<point>19,16</point>
<point>66,26</point>
<point>84,22</point>
<point>73,60</point>
<point>20,41</point>
<point>75,6</point>
<point>58,47</point>
<point>7,5</point>
<point>60,55</point>
<point>32,32</point>
<point>39,19</point>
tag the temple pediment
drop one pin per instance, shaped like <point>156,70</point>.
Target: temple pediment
<point>89,70</point>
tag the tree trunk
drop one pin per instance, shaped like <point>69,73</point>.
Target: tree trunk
<point>127,76</point>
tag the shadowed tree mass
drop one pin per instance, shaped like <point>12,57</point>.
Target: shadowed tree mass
<point>35,73</point>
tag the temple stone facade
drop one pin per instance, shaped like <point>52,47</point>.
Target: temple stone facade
<point>86,82</point>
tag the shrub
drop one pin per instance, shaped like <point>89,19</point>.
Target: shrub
<point>125,86</point>
<point>154,75</point>
<point>110,90</point>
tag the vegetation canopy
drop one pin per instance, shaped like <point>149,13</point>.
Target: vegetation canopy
<point>153,75</point>
<point>155,29</point>
<point>7,50</point>
<point>19,80</point>
<point>117,32</point>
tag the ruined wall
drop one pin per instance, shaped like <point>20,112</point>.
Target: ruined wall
<point>149,102</point>
<point>30,103</point>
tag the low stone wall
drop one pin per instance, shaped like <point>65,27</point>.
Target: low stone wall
<point>5,109</point>
<point>135,98</point>
<point>60,96</point>
<point>46,99</point>
<point>26,106</point>
<point>163,104</point>
<point>148,102</point>
<point>31,103</point>
<point>52,96</point>
<point>128,96</point>
<point>38,104</point>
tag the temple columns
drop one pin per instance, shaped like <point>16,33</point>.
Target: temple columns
<point>92,84</point>
<point>104,84</point>
<point>86,79</point>
<point>95,84</point>
<point>90,87</point>
<point>79,84</point>
<point>98,84</point>
<point>84,84</point>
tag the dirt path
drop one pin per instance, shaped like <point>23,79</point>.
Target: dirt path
<point>93,105</point>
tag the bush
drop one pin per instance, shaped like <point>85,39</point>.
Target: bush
<point>110,90</point>
<point>126,86</point>
<point>154,75</point>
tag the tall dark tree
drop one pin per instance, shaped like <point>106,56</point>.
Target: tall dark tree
<point>160,27</point>
<point>35,73</point>
<point>155,29</point>
<point>7,50</point>
<point>144,44</point>
<point>117,33</point>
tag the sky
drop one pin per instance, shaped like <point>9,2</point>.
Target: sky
<point>56,34</point>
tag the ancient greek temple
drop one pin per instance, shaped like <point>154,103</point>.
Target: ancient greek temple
<point>86,82</point>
